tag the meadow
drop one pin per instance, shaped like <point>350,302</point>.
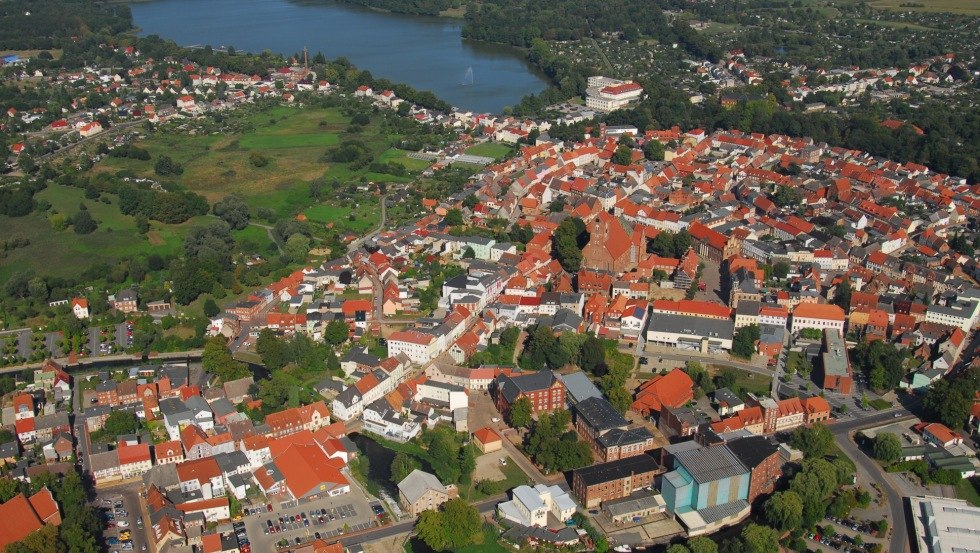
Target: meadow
<point>490,149</point>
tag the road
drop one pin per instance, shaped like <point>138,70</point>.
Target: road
<point>843,433</point>
<point>194,354</point>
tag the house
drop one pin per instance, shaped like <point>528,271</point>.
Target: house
<point>487,440</point>
<point>79,306</point>
<point>168,452</point>
<point>203,475</point>
<point>125,301</point>
<point>418,346</point>
<point>309,474</point>
<point>104,467</point>
<point>816,409</point>
<point>531,506</point>
<point>544,390</point>
<point>819,316</point>
<point>939,434</point>
<point>672,390</point>
<point>307,417</point>
<point>595,484</point>
<point>134,460</point>
<point>421,491</point>
<point>726,402</point>
<point>90,129</point>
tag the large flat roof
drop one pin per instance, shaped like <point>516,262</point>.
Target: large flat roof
<point>945,525</point>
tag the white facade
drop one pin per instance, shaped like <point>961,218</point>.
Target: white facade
<point>530,506</point>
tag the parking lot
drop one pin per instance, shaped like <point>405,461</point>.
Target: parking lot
<point>340,515</point>
<point>123,528</point>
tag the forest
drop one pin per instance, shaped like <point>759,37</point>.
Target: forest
<point>43,24</point>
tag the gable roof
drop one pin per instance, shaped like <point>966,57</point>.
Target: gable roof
<point>414,486</point>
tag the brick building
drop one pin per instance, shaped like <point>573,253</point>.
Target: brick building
<point>614,480</point>
<point>542,388</point>
<point>761,457</point>
<point>599,424</point>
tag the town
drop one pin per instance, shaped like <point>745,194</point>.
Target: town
<point>679,339</point>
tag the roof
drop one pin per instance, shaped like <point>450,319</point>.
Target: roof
<point>44,504</point>
<point>599,414</point>
<point>941,432</point>
<point>19,520</point>
<point>511,387</point>
<point>673,390</point>
<point>819,311</point>
<point>614,470</point>
<point>751,451</point>
<point>724,396</point>
<point>414,486</point>
<point>307,468</point>
<point>486,435</point>
<point>578,386</point>
<point>693,325</point>
<point>202,470</point>
<point>709,464</point>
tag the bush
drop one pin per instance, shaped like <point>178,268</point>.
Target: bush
<point>258,159</point>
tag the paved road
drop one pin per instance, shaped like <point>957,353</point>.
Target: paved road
<point>843,432</point>
<point>194,354</point>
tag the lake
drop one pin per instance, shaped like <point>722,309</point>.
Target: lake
<point>424,52</point>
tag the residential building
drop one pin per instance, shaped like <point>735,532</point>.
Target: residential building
<point>835,366</point>
<point>421,491</point>
<point>609,434</point>
<point>544,390</point>
<point>820,316</point>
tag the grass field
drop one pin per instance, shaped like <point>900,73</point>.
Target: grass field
<point>489,149</point>
<point>64,253</point>
<point>961,7</point>
<point>400,156</point>
<point>967,489</point>
<point>367,216</point>
<point>294,141</point>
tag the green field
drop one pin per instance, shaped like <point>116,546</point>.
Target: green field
<point>961,7</point>
<point>968,489</point>
<point>490,149</point>
<point>367,216</point>
<point>293,140</point>
<point>64,253</point>
<point>400,156</point>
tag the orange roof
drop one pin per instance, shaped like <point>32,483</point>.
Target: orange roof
<point>671,390</point>
<point>693,307</point>
<point>19,520</point>
<point>307,468</point>
<point>486,435</point>
<point>202,470</point>
<point>133,454</point>
<point>819,311</point>
<point>941,432</point>
<point>44,505</point>
<point>815,404</point>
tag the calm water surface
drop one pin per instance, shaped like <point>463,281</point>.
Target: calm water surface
<point>424,52</point>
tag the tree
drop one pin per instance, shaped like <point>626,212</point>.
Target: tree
<point>232,210</point>
<point>8,489</point>
<point>211,308</point>
<point>702,544</point>
<point>166,166</point>
<point>519,414</point>
<point>464,523</point>
<point>950,401</point>
<point>402,465</point>
<point>274,352</point>
<point>454,218</point>
<point>784,510</point>
<point>620,398</point>
<point>678,548</point>
<point>336,333</point>
<point>543,350</point>
<point>567,243</point>
<point>623,155</point>
<point>760,539</point>
<point>591,354</point>
<point>653,150</point>
<point>814,441</point>
<point>468,253</point>
<point>218,361</point>
<point>84,223</point>
<point>887,447</point>
<point>297,248</point>
<point>743,344</point>
<point>121,422</point>
<point>431,529</point>
<point>842,298</point>
<point>780,269</point>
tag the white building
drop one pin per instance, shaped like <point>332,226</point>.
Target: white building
<point>605,94</point>
<point>530,506</point>
<point>418,346</point>
<point>447,396</point>
<point>962,312</point>
<point>819,316</point>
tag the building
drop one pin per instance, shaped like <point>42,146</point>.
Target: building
<point>530,506</point>
<point>691,333</point>
<point>962,312</point>
<point>761,457</point>
<point>673,389</point>
<point>418,346</point>
<point>421,491</point>
<point>820,316</point>
<point>22,515</point>
<point>727,403</point>
<point>605,94</point>
<point>608,432</point>
<point>939,434</point>
<point>835,365</point>
<point>614,480</point>
<point>542,388</point>
<point>941,525</point>
<point>708,488</point>
<point>309,474</point>
<point>487,440</point>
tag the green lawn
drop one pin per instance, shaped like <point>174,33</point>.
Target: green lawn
<point>880,404</point>
<point>750,382</point>
<point>513,477</point>
<point>490,149</point>
<point>367,216</point>
<point>401,157</point>
<point>276,141</point>
<point>966,489</point>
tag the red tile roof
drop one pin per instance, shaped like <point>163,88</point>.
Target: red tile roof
<point>671,390</point>
<point>19,520</point>
<point>486,435</point>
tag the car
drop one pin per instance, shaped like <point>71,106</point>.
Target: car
<point>298,540</point>
<point>896,415</point>
<point>139,523</point>
<point>268,507</point>
<point>268,523</point>
<point>644,360</point>
<point>495,419</point>
<point>122,524</point>
<point>112,540</point>
<point>317,535</point>
<point>503,462</point>
<point>143,548</point>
